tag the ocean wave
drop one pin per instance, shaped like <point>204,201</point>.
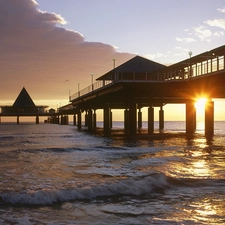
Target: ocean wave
<point>155,183</point>
<point>7,137</point>
<point>196,182</point>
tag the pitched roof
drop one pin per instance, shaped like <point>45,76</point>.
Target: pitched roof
<point>23,99</point>
<point>138,65</point>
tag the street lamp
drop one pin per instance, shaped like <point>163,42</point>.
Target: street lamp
<point>78,87</point>
<point>190,54</point>
<point>114,63</point>
<point>92,81</point>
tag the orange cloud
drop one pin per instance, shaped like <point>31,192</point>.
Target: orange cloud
<point>38,54</point>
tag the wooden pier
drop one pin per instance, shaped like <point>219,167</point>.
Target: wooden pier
<point>142,83</point>
<point>136,84</point>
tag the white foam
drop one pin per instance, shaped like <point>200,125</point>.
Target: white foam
<point>135,187</point>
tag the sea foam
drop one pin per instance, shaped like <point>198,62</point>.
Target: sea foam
<point>127,187</point>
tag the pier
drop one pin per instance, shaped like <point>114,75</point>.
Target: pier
<point>142,83</point>
<point>25,107</point>
<point>139,83</point>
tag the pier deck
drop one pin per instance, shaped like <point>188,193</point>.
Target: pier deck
<point>131,90</point>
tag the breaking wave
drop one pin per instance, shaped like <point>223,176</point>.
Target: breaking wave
<point>129,187</point>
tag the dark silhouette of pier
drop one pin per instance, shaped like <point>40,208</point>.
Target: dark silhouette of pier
<point>142,83</point>
<point>25,107</point>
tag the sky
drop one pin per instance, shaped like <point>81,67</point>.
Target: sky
<point>51,46</point>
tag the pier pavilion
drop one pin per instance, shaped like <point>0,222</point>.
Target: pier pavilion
<point>142,83</point>
<point>24,106</point>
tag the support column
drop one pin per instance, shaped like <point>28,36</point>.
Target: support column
<point>161,118</point>
<point>79,120</point>
<point>190,117</point>
<point>111,119</point>
<point>150,120</point>
<point>139,119</point>
<point>18,120</point>
<point>94,119</point>
<point>86,119</point>
<point>106,121</point>
<point>56,120</point>
<point>66,120</point>
<point>90,120</point>
<point>209,119</point>
<point>0,120</point>
<point>37,119</point>
<point>133,118</point>
<point>126,120</point>
<point>74,119</point>
<point>61,120</point>
<point>195,116</point>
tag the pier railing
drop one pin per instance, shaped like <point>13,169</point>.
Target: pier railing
<point>178,72</point>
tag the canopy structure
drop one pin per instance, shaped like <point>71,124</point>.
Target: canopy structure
<point>137,65</point>
<point>23,104</point>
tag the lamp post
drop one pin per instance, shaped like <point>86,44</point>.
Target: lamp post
<point>92,81</point>
<point>190,54</point>
<point>114,66</point>
<point>78,87</point>
<point>114,63</point>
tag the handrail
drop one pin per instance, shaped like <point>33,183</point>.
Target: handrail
<point>183,73</point>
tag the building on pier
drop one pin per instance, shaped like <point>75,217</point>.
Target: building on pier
<point>23,106</point>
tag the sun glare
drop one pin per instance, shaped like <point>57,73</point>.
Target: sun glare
<point>200,104</point>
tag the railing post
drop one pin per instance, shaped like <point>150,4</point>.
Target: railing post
<point>224,61</point>
<point>218,63</point>
<point>207,66</point>
<point>201,68</point>
<point>211,65</point>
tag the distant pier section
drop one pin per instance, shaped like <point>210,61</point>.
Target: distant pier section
<point>25,107</point>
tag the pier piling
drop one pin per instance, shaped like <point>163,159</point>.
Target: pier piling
<point>150,120</point>
<point>190,117</point>
<point>209,119</point>
<point>161,118</point>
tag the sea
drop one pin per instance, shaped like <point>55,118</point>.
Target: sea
<point>57,175</point>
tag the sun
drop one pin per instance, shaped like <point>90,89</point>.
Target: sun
<point>200,104</point>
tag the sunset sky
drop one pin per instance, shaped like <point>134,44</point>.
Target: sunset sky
<point>49,46</point>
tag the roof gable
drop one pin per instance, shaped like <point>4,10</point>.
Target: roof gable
<point>138,65</point>
<point>23,99</point>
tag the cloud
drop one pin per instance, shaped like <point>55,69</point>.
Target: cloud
<point>186,40</point>
<point>155,56</point>
<point>218,33</point>
<point>39,54</point>
<point>203,33</point>
<point>216,23</point>
<point>221,10</point>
